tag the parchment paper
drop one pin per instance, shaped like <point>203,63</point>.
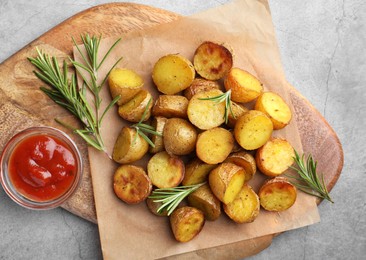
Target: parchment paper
<point>132,232</point>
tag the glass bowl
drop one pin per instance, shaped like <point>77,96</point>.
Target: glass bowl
<point>17,194</point>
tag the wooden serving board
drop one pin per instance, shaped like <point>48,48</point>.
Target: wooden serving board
<point>23,104</point>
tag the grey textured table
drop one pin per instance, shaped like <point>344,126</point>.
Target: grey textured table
<point>322,45</point>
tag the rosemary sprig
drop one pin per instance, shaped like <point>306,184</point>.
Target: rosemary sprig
<point>172,197</point>
<point>308,178</point>
<point>225,97</point>
<point>143,129</point>
<point>64,91</point>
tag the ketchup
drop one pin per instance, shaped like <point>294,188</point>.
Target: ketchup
<point>42,167</point>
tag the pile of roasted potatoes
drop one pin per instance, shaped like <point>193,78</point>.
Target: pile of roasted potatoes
<point>202,140</point>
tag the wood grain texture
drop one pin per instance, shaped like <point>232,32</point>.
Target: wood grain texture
<point>23,104</point>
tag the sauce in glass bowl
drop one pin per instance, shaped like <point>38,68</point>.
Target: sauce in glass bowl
<point>40,167</point>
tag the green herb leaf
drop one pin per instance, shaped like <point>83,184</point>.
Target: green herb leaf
<point>308,179</point>
<point>64,91</point>
<point>225,97</point>
<point>172,197</point>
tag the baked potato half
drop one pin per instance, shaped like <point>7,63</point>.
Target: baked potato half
<point>131,184</point>
<point>253,129</point>
<point>243,85</point>
<point>173,73</point>
<point>133,110</point>
<point>124,82</point>
<point>212,61</point>
<point>244,160</point>
<point>214,145</point>
<point>204,200</point>
<point>275,157</point>
<point>179,136</point>
<point>226,180</point>
<point>275,108</point>
<point>197,172</point>
<point>170,106</point>
<point>129,146</point>
<point>206,114</point>
<point>277,194</point>
<point>245,207</point>
<point>165,171</point>
<point>186,223</point>
<point>158,124</point>
<point>200,85</point>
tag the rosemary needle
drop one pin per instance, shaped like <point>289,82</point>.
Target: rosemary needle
<point>308,179</point>
<point>65,92</point>
<point>225,97</point>
<point>172,197</point>
<point>144,129</point>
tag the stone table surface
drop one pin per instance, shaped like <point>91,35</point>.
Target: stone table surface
<point>322,45</point>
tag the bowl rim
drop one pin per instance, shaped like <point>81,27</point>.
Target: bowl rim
<point>5,181</point>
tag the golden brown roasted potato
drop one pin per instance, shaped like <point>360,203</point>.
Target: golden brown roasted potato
<point>154,206</point>
<point>173,73</point>
<point>204,200</point>
<point>245,207</point>
<point>131,184</point>
<point>158,124</point>
<point>275,108</point>
<point>186,223</point>
<point>214,145</point>
<point>253,129</point>
<point>129,146</point>
<point>124,82</point>
<point>197,172</point>
<point>212,61</point>
<point>165,171</point>
<point>179,136</point>
<point>246,161</point>
<point>237,110</point>
<point>171,106</point>
<point>206,114</point>
<point>226,180</point>
<point>277,194</point>
<point>200,85</point>
<point>243,85</point>
<point>133,110</point>
<point>275,157</point>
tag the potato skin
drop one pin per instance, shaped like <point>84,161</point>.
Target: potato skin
<point>186,223</point>
<point>158,123</point>
<point>165,171</point>
<point>275,157</point>
<point>226,180</point>
<point>154,206</point>
<point>200,85</point>
<point>179,136</point>
<point>243,85</point>
<point>212,61</point>
<point>253,129</point>
<point>173,73</point>
<point>206,114</point>
<point>244,160</point>
<point>214,145</point>
<point>133,110</point>
<point>131,184</point>
<point>128,148</point>
<point>245,207</point>
<point>204,200</point>
<point>275,108</point>
<point>197,172</point>
<point>124,82</point>
<point>170,106</point>
<point>277,194</point>
<point>238,110</point>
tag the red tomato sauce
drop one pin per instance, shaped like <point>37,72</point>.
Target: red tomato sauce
<point>42,168</point>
